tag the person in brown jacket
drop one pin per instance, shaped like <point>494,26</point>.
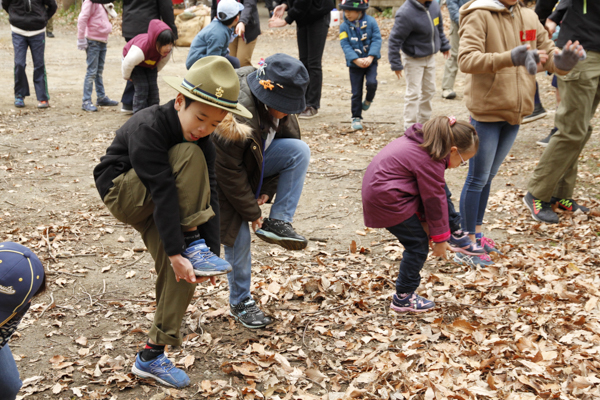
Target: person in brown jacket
<point>502,46</point>
<point>255,160</point>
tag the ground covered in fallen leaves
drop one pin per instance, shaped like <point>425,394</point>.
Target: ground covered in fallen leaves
<point>525,328</point>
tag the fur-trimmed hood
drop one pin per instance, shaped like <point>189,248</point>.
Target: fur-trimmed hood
<point>231,130</point>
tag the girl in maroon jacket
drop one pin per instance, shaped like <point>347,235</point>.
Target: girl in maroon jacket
<point>403,191</point>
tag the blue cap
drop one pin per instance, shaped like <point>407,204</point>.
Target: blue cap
<point>21,275</point>
<point>227,9</point>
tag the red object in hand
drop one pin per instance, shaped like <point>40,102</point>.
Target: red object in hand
<point>177,1</point>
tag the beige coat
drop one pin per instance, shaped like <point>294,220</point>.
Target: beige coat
<point>496,90</point>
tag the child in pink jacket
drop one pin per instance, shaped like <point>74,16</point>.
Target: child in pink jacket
<point>93,28</point>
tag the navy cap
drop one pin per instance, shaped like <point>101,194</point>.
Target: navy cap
<point>21,275</point>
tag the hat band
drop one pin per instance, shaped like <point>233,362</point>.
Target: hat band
<point>207,96</point>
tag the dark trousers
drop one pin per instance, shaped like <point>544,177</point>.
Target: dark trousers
<point>311,44</point>
<point>127,98</point>
<point>453,216</point>
<point>416,247</point>
<point>146,88</point>
<point>357,79</point>
<point>37,45</point>
<point>234,61</point>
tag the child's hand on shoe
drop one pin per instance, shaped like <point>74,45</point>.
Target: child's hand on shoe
<point>257,224</point>
<point>439,249</point>
<point>262,199</point>
<point>183,268</point>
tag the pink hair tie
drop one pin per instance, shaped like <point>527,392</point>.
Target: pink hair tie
<point>452,120</point>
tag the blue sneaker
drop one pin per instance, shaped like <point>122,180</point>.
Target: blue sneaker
<point>475,261</point>
<point>460,242</point>
<point>356,124</point>
<point>19,102</point>
<point>203,260</point>
<point>365,105</point>
<point>106,102</point>
<point>411,303</point>
<point>88,106</point>
<point>162,370</point>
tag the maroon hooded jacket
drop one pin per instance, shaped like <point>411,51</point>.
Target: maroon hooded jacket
<point>403,180</point>
<point>141,50</point>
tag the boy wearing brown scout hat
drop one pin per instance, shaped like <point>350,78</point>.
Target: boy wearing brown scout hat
<point>158,176</point>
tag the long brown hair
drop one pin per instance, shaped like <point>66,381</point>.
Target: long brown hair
<point>439,137</point>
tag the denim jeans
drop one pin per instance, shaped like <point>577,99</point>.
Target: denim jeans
<point>495,141</point>
<point>357,78</point>
<point>96,55</point>
<point>146,88</point>
<point>10,382</point>
<point>37,44</point>
<point>416,247</point>
<point>311,45</point>
<point>289,158</point>
<point>453,216</point>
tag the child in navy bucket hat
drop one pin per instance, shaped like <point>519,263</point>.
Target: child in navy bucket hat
<point>360,39</point>
<point>21,278</point>
<point>267,158</point>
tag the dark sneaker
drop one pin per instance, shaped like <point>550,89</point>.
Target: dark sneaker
<point>460,242</point>
<point>43,104</point>
<point>248,314</point>
<point>540,210</point>
<point>544,142</point>
<point>411,303</point>
<point>308,113</point>
<point>488,245</point>
<point>127,108</point>
<point>19,102</point>
<point>106,102</point>
<point>88,106</point>
<point>366,105</point>
<point>357,124</point>
<point>49,34</point>
<point>449,94</point>
<point>538,112</point>
<point>569,205</point>
<point>204,261</point>
<point>280,232</point>
<point>162,370</point>
<point>481,261</point>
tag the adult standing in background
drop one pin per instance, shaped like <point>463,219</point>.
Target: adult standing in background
<point>137,15</point>
<point>451,67</point>
<point>312,24</point>
<point>247,31</point>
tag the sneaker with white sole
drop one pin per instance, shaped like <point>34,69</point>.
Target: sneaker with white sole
<point>281,233</point>
<point>357,124</point>
<point>204,261</point>
<point>568,205</point>
<point>162,370</point>
<point>481,261</point>
<point>411,303</point>
<point>538,112</point>
<point>460,242</point>
<point>540,210</point>
<point>544,142</point>
<point>248,314</point>
<point>448,94</point>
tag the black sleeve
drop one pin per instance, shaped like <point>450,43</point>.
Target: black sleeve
<point>559,12</point>
<point>249,6</point>
<point>102,1</point>
<point>165,9</point>
<point>210,231</point>
<point>297,9</point>
<point>6,4</point>
<point>51,7</point>
<point>543,8</point>
<point>213,9</point>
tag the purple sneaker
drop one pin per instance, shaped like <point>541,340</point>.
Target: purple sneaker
<point>411,303</point>
<point>460,242</point>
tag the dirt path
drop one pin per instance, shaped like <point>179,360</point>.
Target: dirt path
<point>102,283</point>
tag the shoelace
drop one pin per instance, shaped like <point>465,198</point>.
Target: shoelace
<point>538,204</point>
<point>488,241</point>
<point>485,257</point>
<point>251,308</point>
<point>566,202</point>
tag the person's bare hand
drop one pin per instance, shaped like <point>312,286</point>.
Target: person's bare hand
<point>446,54</point>
<point>368,61</point>
<point>439,249</point>
<point>183,268</point>
<point>550,26</point>
<point>262,199</point>
<point>279,10</point>
<point>398,74</point>
<point>257,224</point>
<point>240,29</point>
<point>212,279</point>
<point>277,22</point>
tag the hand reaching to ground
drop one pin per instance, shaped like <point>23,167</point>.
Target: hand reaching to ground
<point>439,249</point>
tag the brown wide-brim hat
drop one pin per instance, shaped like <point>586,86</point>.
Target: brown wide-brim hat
<point>213,81</point>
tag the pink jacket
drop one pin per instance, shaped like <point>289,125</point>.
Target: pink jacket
<point>93,22</point>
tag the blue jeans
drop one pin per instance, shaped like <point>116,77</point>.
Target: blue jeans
<point>357,78</point>
<point>495,141</point>
<point>289,158</point>
<point>96,55</point>
<point>416,247</point>
<point>37,44</point>
<point>10,382</point>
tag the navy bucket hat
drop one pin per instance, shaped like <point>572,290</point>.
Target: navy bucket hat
<point>280,83</point>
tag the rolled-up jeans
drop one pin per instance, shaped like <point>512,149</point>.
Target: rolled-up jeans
<point>10,381</point>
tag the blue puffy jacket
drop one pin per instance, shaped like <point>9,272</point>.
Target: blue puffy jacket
<point>360,38</point>
<point>210,41</point>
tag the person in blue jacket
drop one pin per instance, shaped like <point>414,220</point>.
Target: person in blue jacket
<point>361,41</point>
<point>214,39</point>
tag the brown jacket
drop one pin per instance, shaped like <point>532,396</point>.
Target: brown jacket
<point>240,161</point>
<point>496,90</point>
